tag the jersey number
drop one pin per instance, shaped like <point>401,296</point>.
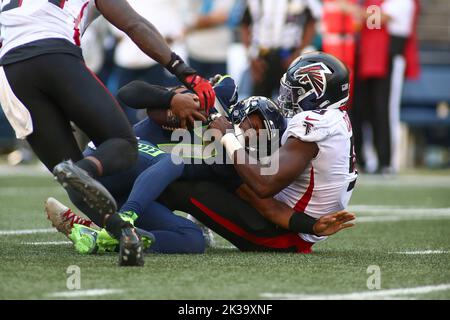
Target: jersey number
<point>13,4</point>
<point>352,157</point>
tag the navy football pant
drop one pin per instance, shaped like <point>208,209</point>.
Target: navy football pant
<point>137,190</point>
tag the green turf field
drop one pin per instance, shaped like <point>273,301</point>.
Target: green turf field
<point>403,228</point>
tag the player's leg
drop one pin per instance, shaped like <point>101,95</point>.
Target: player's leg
<point>62,79</point>
<point>151,182</point>
<point>172,233</point>
<point>382,127</point>
<point>96,112</point>
<point>231,217</point>
<point>362,104</point>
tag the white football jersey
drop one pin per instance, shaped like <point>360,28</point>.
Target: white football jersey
<point>25,21</point>
<point>327,183</point>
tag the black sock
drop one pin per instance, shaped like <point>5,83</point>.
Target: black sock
<point>89,166</point>
<point>114,225</point>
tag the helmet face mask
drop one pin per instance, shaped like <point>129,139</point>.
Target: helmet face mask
<point>258,119</point>
<point>290,98</point>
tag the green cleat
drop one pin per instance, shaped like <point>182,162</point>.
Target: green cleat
<point>90,241</point>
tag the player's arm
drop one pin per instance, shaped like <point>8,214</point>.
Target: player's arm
<point>161,102</point>
<point>282,215</point>
<point>150,41</point>
<point>293,158</point>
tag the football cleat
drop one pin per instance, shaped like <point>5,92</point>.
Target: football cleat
<point>208,235</point>
<point>90,241</point>
<point>131,252</point>
<point>84,239</point>
<point>92,192</point>
<point>63,218</point>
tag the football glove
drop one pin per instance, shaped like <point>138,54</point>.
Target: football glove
<point>189,77</point>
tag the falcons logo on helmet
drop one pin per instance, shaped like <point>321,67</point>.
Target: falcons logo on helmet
<point>314,74</point>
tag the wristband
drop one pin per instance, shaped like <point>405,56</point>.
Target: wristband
<point>302,223</point>
<point>231,144</point>
<point>179,68</point>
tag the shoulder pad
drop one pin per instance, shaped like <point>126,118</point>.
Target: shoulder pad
<point>312,126</point>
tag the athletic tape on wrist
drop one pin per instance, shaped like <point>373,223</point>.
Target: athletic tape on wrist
<point>231,144</point>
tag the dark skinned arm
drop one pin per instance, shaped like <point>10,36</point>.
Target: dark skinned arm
<point>142,32</point>
<point>280,214</point>
<point>271,209</point>
<point>294,157</point>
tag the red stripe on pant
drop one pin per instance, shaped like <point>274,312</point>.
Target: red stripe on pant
<point>279,242</point>
<point>116,104</point>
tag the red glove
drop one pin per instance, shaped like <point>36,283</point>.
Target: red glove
<point>193,81</point>
<point>204,91</point>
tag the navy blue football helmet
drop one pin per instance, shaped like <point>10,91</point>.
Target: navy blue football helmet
<point>226,95</point>
<point>314,81</point>
<point>271,115</point>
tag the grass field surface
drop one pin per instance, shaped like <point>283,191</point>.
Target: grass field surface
<point>403,229</point>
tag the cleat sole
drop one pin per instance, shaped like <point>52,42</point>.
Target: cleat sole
<point>92,192</point>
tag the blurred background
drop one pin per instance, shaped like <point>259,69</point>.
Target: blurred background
<point>398,52</point>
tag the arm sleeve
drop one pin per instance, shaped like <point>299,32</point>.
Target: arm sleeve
<point>142,95</point>
<point>302,223</point>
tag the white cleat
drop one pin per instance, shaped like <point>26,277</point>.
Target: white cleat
<point>208,235</point>
<point>62,217</point>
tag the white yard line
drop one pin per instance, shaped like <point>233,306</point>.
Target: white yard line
<point>404,210</point>
<point>223,247</point>
<point>415,181</point>
<point>394,218</point>
<point>375,294</point>
<point>37,170</point>
<point>24,191</point>
<point>26,231</point>
<point>84,293</point>
<point>47,243</point>
<point>424,252</point>
<point>367,213</point>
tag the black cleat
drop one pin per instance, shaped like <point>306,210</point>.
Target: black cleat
<point>93,193</point>
<point>131,252</point>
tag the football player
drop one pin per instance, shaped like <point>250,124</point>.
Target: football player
<point>44,84</point>
<point>242,224</point>
<point>137,191</point>
<point>291,209</point>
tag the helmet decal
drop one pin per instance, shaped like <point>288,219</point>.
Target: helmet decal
<point>314,74</point>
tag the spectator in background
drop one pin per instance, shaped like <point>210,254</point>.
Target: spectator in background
<point>209,35</point>
<point>339,30</point>
<point>382,51</point>
<point>132,64</point>
<point>276,32</point>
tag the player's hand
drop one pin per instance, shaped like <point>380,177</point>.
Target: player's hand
<point>192,81</point>
<point>187,108</point>
<point>332,223</point>
<point>204,91</point>
<point>220,125</point>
